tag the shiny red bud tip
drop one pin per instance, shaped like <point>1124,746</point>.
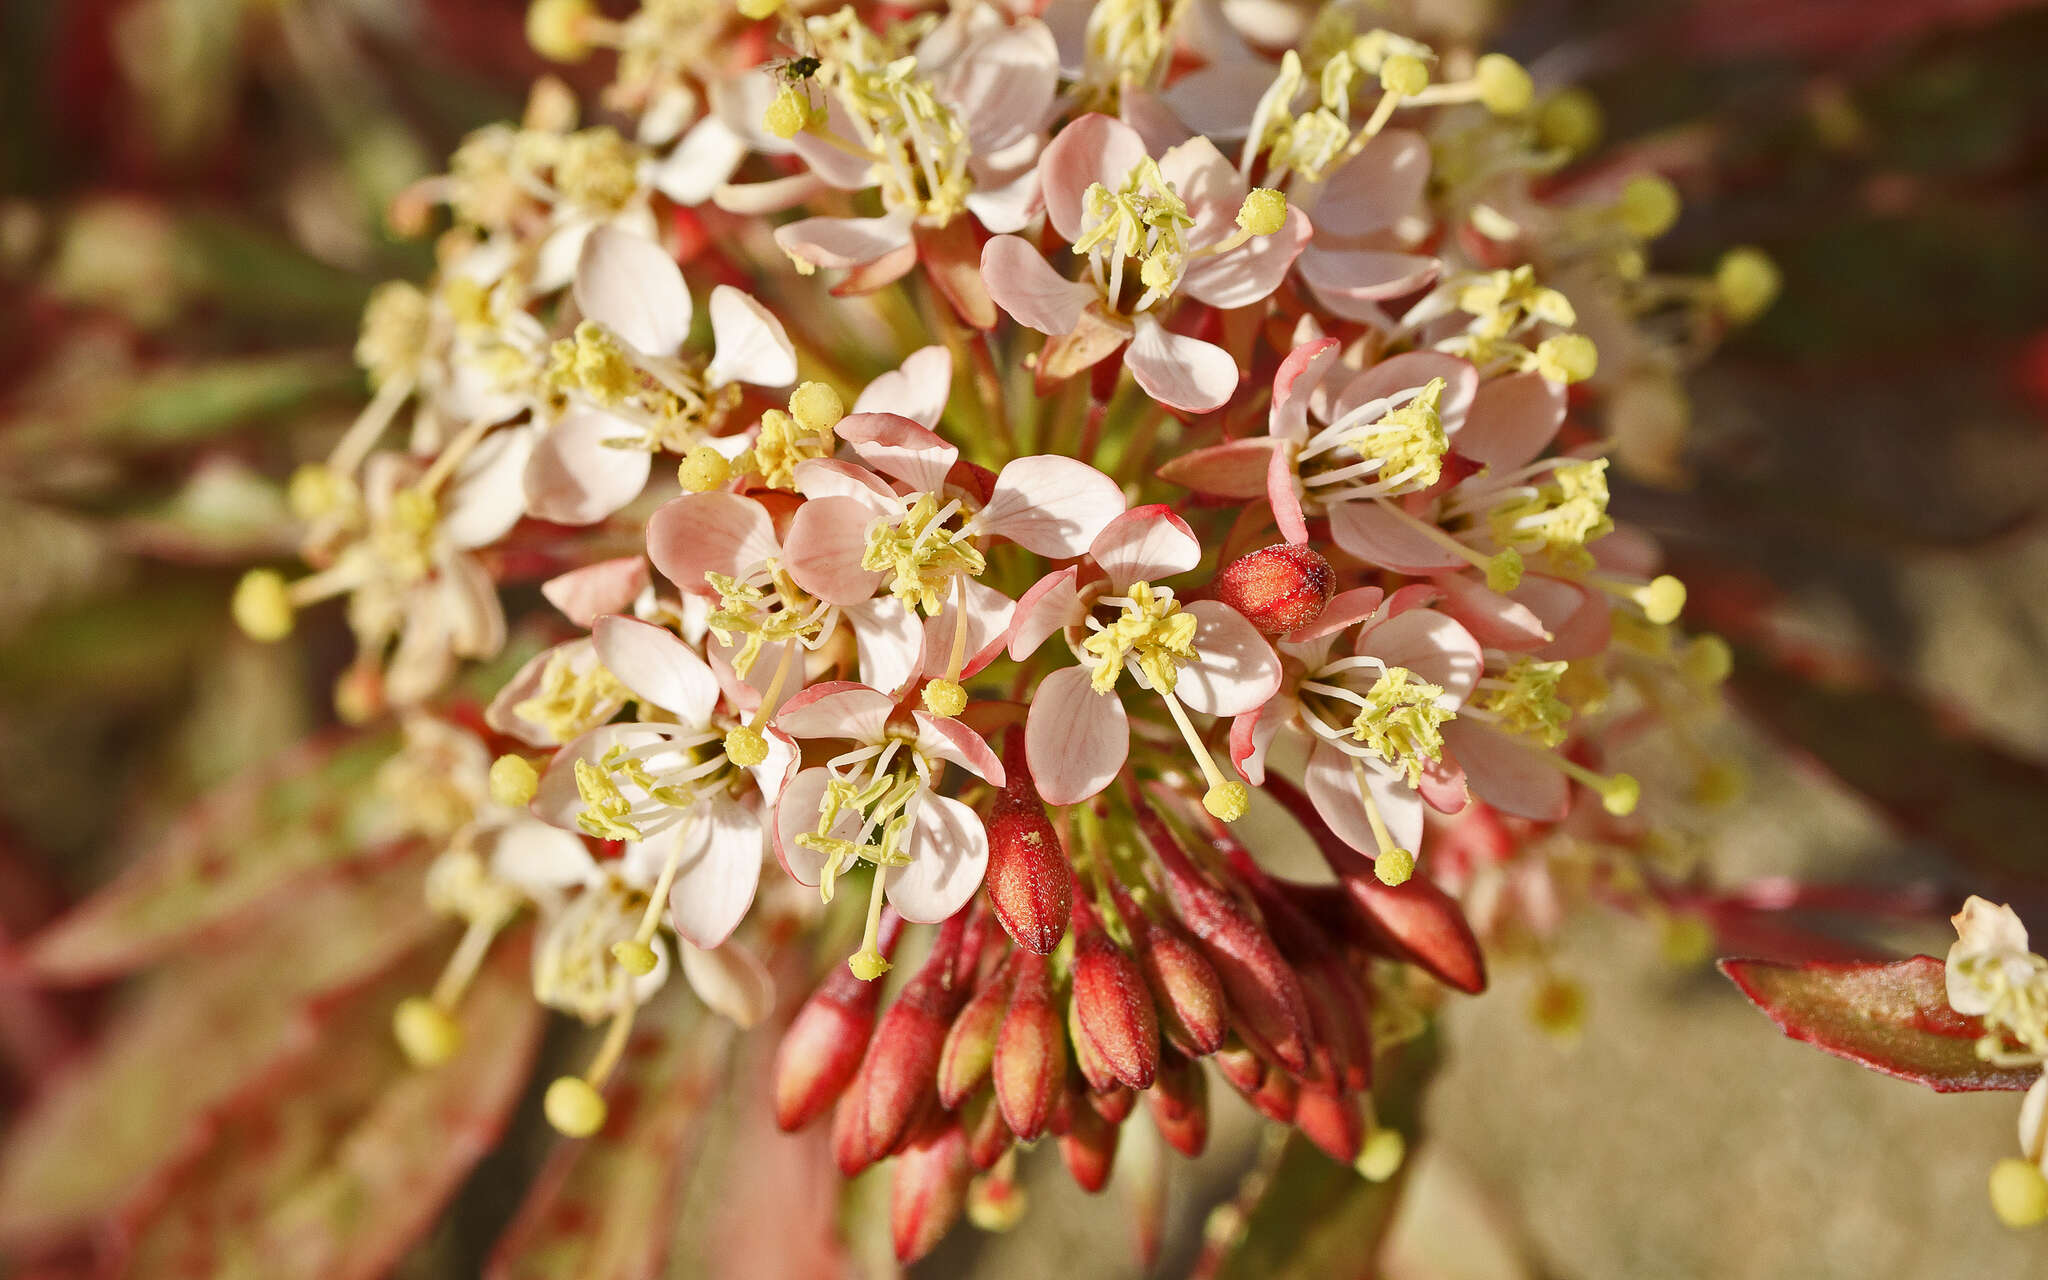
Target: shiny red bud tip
<point>1278,588</point>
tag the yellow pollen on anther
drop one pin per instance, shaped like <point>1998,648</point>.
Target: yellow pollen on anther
<point>703,468</point>
<point>1153,630</point>
<point>1410,440</point>
<point>921,555</point>
<point>1402,721</point>
<point>425,1032</point>
<point>1524,700</point>
<point>262,606</point>
<point>572,699</point>
<point>513,781</point>
<point>574,1107</point>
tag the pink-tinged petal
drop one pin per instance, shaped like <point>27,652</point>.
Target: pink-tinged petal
<point>796,814</point>
<point>745,695</point>
<point>1409,371</point>
<point>576,476</point>
<point>1092,149</point>
<point>1154,121</point>
<point>1026,287</point>
<point>1003,84</point>
<point>917,389</point>
<point>1416,595</point>
<point>502,714</point>
<point>1495,620</point>
<point>1345,609</point>
<point>1365,275</point>
<point>1294,386</point>
<point>731,981</point>
<point>1178,371</point>
<point>558,801</point>
<point>487,494</point>
<point>823,552</point>
<point>1052,604</point>
<point>833,478</point>
<point>1209,185</point>
<point>900,449</point>
<point>1234,669</point>
<point>1513,419</point>
<point>630,285</point>
<point>609,586</point>
<point>1506,774</point>
<point>701,163</point>
<point>773,774</point>
<point>1218,100</point>
<point>988,629</point>
<point>1235,469</point>
<point>1431,645</point>
<point>1051,505</point>
<point>837,709</point>
<point>843,243</point>
<point>657,667</point>
<point>1251,271</point>
<point>702,533</point>
<point>1372,533</point>
<point>1375,188</point>
<point>1252,734</point>
<point>1075,738</point>
<point>948,856</point>
<point>721,868</point>
<point>1283,494</point>
<point>1578,617</point>
<point>1333,789</point>
<point>888,641</point>
<point>1006,204</point>
<point>748,341</point>
<point>1145,544</point>
<point>1442,786</point>
<point>536,857</point>
<point>941,738</point>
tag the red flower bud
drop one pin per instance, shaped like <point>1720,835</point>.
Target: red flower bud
<point>1179,1103</point>
<point>821,1050</point>
<point>1279,588</point>
<point>1332,1119</point>
<point>1116,1105</point>
<point>1264,991</point>
<point>1030,1064</point>
<point>928,1189</point>
<point>970,1048</point>
<point>1088,1146</point>
<point>897,1079</point>
<point>1188,996</point>
<point>1028,880</point>
<point>987,1135</point>
<point>1242,1066</point>
<point>1112,1005</point>
<point>1341,1012</point>
<point>1276,1097</point>
<point>1094,1068</point>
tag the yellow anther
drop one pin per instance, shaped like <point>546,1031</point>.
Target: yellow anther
<point>570,700</point>
<point>1402,721</point>
<point>1227,800</point>
<point>921,556</point>
<point>1381,1155</point>
<point>788,113</point>
<point>945,698</point>
<point>573,1107</point>
<point>1720,784</point>
<point>1746,283</point>
<point>816,407</point>
<point>745,746</point>
<point>1571,121</point>
<point>1264,212</point>
<point>703,468</point>
<point>395,324</point>
<point>1504,87</point>
<point>1567,358</point>
<point>1404,74</point>
<point>1560,517</point>
<point>1559,1007</point>
<point>426,1034</point>
<point>1662,599</point>
<point>1685,941</point>
<point>513,781</point>
<point>1394,867</point>
<point>756,10</point>
<point>1619,794</point>
<point>781,444</point>
<point>598,169</point>
<point>315,491</point>
<point>262,606</point>
<point>1504,571</point>
<point>635,957</point>
<point>868,964</point>
<point>1409,441</point>
<point>1648,206</point>
<point>1523,700</point>
<point>1707,660</point>
<point>558,30</point>
<point>1153,630</point>
<point>2019,1193</point>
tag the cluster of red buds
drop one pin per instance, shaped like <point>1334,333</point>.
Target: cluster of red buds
<point>1056,1003</point>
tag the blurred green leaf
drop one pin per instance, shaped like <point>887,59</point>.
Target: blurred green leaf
<point>314,807</point>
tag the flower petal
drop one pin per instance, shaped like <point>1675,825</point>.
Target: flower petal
<point>1251,271</point>
<point>1052,603</point>
<point>917,389</point>
<point>487,494</point>
<point>1372,533</point>
<point>1511,420</point>
<point>1234,669</point>
<point>1025,286</point>
<point>1075,738</point>
<point>988,629</point>
<point>657,667</point>
<point>536,857</point>
<point>1376,188</point>
<point>839,709</point>
<point>1431,645</point>
<point>1235,469</point>
<point>720,870</point>
<point>1052,505</point>
<point>1178,371</point>
<point>1333,789</point>
<point>701,163</point>
<point>575,476</point>
<point>1506,774</point>
<point>900,449</point>
<point>1145,544</point>
<point>609,586</point>
<point>731,981</point>
<point>823,552</point>
<point>702,533</point>
<point>630,285</point>
<point>796,814</point>
<point>749,343</point>
<point>888,641</point>
<point>948,856</point>
<point>1092,149</point>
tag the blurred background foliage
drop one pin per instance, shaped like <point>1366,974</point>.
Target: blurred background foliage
<point>194,215</point>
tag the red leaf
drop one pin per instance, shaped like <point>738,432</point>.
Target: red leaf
<point>1893,1018</point>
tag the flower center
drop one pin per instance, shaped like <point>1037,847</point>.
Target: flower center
<point>670,404</point>
<point>1152,631</point>
<point>572,700</point>
<point>633,793</point>
<point>1524,700</point>
<point>1558,517</point>
<point>1401,721</point>
<point>574,969</point>
<point>918,144</point>
<point>921,554</point>
<point>766,607</point>
<point>1145,222</point>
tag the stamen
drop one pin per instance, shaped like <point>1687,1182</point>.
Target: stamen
<point>1226,798</point>
<point>1394,864</point>
<point>869,963</point>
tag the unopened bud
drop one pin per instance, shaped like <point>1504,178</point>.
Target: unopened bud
<point>995,1202</point>
<point>1332,1119</point>
<point>1028,882</point>
<point>1278,588</point>
<point>988,1137</point>
<point>821,1050</point>
<point>1030,1063</point>
<point>928,1190</point>
<point>1179,1103</point>
<point>970,1048</point>
<point>1088,1148</point>
<point>1193,1012</point>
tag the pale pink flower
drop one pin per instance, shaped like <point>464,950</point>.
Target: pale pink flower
<point>1121,621</point>
<point>1177,218</point>
<point>596,457</point>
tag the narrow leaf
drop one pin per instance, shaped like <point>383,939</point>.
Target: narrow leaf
<point>1893,1018</point>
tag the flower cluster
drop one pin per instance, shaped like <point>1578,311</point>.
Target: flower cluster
<point>971,453</point>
